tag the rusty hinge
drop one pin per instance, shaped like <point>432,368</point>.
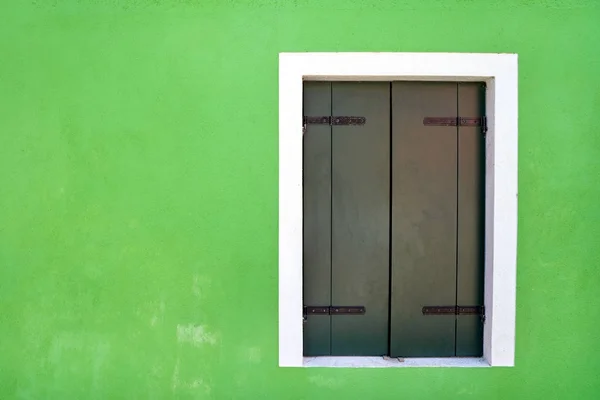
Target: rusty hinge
<point>456,121</point>
<point>455,310</point>
<point>333,310</point>
<point>333,120</point>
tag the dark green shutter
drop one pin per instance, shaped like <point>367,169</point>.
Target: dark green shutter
<point>317,218</point>
<point>424,191</point>
<point>393,203</point>
<point>360,216</point>
<point>471,233</point>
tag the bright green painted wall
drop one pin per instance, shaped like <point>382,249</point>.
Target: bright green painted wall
<point>138,194</point>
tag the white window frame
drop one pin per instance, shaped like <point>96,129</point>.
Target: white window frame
<point>499,71</point>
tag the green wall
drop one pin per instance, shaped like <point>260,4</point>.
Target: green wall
<point>138,194</point>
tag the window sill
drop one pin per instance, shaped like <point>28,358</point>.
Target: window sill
<point>380,362</point>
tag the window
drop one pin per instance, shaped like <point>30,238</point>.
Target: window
<point>374,221</point>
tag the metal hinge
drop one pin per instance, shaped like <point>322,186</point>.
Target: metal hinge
<point>333,120</point>
<point>333,310</point>
<point>456,121</point>
<point>455,310</point>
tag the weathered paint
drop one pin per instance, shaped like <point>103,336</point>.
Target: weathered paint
<point>138,205</point>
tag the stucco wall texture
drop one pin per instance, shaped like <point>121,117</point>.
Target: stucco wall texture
<point>138,195</point>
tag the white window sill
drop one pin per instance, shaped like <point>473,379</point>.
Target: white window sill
<point>380,362</point>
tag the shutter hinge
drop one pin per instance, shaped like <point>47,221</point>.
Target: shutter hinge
<point>333,310</point>
<point>334,120</point>
<point>455,310</point>
<point>456,121</point>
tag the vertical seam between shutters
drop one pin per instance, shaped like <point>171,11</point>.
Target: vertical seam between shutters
<point>391,154</point>
<point>457,220</point>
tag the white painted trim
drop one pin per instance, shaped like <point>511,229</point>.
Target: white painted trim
<point>500,73</point>
<point>380,362</point>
